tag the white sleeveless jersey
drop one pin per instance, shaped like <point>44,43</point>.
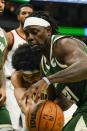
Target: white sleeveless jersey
<point>17,41</point>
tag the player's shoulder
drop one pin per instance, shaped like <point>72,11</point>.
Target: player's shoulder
<point>9,34</point>
<point>15,76</point>
<point>10,37</point>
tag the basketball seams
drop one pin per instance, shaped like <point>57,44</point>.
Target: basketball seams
<point>55,117</point>
<point>49,117</point>
<point>41,114</point>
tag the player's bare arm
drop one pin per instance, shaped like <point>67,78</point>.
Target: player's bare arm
<point>10,39</point>
<point>19,91</point>
<point>70,53</point>
<point>18,83</point>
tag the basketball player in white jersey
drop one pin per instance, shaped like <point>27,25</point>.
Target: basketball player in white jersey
<point>16,38</point>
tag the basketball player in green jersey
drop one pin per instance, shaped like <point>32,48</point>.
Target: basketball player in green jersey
<point>5,122</point>
<point>65,59</point>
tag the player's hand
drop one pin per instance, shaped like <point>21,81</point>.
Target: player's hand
<point>25,104</point>
<point>2,96</point>
<point>37,89</point>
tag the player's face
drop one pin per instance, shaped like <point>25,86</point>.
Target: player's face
<point>24,12</point>
<point>37,35</point>
<point>2,5</point>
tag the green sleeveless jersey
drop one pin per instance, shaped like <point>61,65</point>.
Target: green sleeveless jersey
<point>2,45</point>
<point>75,91</point>
<point>4,114</point>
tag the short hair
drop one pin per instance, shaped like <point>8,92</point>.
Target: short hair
<point>46,16</point>
<point>27,59</point>
<point>23,5</point>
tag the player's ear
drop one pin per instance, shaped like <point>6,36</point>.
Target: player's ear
<point>49,30</point>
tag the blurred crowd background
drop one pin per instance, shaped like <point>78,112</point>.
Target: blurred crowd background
<point>70,15</point>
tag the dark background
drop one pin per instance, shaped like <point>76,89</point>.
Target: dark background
<point>66,14</point>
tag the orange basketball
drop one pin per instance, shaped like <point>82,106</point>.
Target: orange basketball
<point>48,116</point>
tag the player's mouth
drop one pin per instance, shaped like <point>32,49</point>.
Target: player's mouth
<point>33,46</point>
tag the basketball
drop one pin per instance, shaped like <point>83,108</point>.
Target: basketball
<point>47,116</point>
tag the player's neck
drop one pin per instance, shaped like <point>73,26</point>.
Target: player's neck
<point>21,32</point>
<point>20,28</point>
<point>46,51</point>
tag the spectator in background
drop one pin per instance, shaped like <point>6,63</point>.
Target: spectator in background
<point>16,37</point>
<point>5,122</point>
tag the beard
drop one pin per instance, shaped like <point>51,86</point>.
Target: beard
<point>42,46</point>
<point>36,48</point>
<point>39,47</point>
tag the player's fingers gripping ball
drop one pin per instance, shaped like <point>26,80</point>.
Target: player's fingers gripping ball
<point>46,116</point>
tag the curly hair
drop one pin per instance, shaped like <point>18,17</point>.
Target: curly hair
<point>26,58</point>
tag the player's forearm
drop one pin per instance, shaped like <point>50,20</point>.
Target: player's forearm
<point>74,73</point>
<point>5,52</point>
<point>2,78</point>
